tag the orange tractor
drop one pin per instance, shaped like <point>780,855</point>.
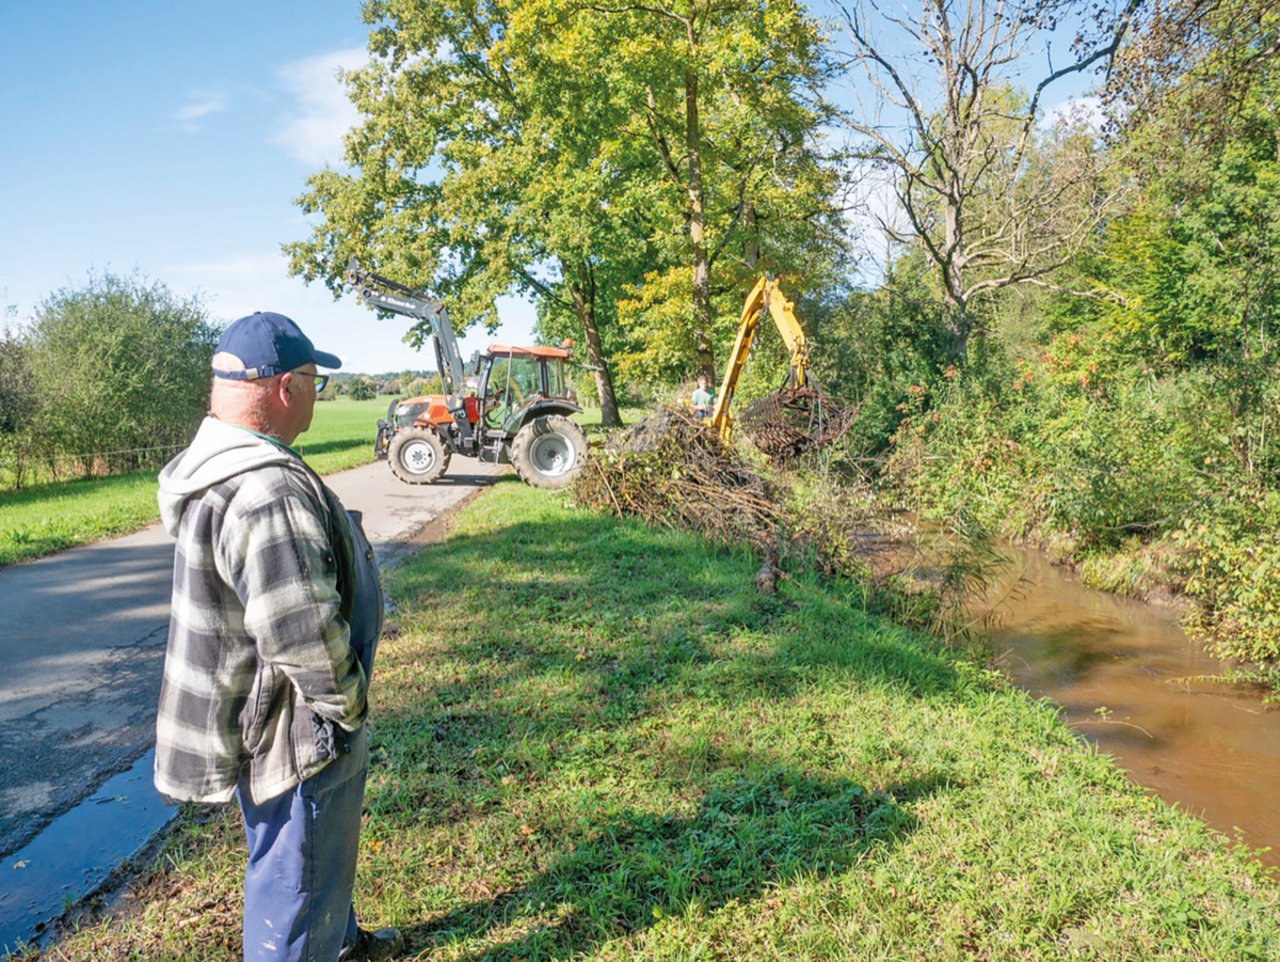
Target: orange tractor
<point>508,405</point>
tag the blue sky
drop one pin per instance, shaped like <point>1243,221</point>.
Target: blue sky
<point>172,138</point>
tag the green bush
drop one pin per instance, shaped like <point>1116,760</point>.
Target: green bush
<point>1233,560</point>
<point>872,347</point>
<point>120,368</point>
<point>18,406</point>
<point>1173,475</point>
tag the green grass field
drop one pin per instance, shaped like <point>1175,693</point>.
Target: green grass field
<point>594,740</point>
<point>50,517</point>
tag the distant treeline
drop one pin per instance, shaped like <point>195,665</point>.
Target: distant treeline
<point>362,387</point>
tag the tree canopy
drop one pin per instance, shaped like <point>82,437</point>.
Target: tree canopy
<point>110,375</point>
<point>571,153</point>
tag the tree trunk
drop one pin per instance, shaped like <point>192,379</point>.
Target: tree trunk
<point>958,320</point>
<point>959,325</point>
<point>584,305</point>
<point>697,238</point>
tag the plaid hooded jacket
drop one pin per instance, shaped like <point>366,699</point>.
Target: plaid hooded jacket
<point>259,667</point>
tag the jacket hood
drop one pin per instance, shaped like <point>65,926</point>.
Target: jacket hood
<point>218,451</point>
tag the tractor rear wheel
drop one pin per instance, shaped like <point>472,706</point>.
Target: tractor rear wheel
<point>548,452</point>
<point>418,456</point>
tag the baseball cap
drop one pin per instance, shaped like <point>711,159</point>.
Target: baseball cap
<point>269,344</point>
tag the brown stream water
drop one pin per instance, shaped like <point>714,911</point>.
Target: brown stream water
<point>1115,666</point>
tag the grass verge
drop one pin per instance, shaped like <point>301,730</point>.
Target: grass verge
<point>595,740</point>
<point>40,520</point>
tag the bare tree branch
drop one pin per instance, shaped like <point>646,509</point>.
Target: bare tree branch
<point>992,197</point>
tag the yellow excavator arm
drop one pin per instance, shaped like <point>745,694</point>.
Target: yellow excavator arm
<point>765,297</point>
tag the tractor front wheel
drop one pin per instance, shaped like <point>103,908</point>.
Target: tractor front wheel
<point>418,456</point>
<point>548,452</point>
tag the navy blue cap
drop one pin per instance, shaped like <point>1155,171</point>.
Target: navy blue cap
<point>269,344</point>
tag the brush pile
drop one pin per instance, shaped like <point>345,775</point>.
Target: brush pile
<point>670,470</point>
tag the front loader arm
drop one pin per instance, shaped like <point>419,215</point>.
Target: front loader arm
<point>383,294</point>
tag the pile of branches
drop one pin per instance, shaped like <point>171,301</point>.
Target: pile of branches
<point>671,470</point>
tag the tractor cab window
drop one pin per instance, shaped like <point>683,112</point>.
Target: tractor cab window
<point>526,378</point>
<point>556,386</point>
<point>513,381</point>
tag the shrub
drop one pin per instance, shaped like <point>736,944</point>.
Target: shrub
<point>1233,572</point>
<point>362,389</point>
<point>17,407</point>
<point>121,371</point>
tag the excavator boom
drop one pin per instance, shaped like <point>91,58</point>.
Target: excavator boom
<point>764,298</point>
<point>799,417</point>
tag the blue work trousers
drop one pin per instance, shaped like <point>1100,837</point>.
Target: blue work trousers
<point>302,862</point>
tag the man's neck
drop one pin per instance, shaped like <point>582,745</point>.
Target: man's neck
<point>254,426</point>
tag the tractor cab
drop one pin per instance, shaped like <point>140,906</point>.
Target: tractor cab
<point>514,381</point>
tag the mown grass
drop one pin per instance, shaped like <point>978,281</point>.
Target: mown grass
<point>46,518</point>
<point>590,418</point>
<point>342,434</point>
<point>594,740</point>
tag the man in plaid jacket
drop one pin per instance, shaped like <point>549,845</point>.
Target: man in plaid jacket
<point>275,615</point>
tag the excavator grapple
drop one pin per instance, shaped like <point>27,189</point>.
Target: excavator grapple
<point>795,421</point>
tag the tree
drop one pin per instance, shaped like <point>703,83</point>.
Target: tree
<point>17,393</point>
<point>989,197</point>
<point>477,171</point>
<point>1207,54</point>
<point>121,371</point>
<point>362,389</point>
<point>718,124</point>
<point>1191,268</point>
<point>18,405</point>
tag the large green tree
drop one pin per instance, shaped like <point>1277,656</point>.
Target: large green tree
<point>717,119</point>
<point>479,169</point>
<point>601,159</point>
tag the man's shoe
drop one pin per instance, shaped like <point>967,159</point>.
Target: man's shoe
<point>379,946</point>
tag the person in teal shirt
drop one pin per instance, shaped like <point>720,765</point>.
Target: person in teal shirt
<point>704,398</point>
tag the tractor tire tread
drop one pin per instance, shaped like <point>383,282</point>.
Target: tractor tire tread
<point>520,451</point>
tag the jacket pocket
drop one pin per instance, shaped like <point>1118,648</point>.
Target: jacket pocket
<point>313,745</point>
<point>258,708</point>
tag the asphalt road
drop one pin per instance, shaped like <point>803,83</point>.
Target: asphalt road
<point>82,637</point>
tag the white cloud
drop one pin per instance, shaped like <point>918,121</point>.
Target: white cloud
<point>321,112</point>
<point>200,104</point>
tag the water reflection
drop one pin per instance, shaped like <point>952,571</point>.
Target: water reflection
<point>77,850</point>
